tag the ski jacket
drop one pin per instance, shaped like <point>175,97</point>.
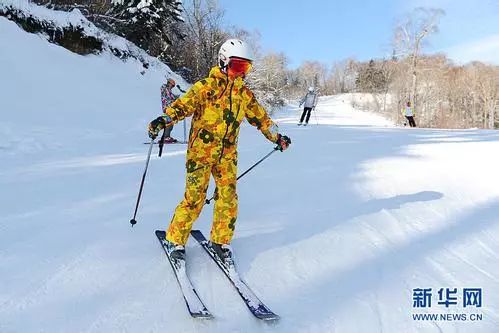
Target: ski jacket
<point>408,111</point>
<point>218,106</point>
<point>167,97</point>
<point>310,100</point>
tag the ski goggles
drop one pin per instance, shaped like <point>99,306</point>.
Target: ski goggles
<point>239,66</point>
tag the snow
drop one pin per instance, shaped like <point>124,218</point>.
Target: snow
<point>144,3</point>
<point>333,234</point>
<point>61,18</point>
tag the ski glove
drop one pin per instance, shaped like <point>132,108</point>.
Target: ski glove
<point>283,142</point>
<point>157,125</point>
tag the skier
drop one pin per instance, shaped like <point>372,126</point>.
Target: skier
<point>218,104</point>
<point>310,100</point>
<point>167,98</point>
<point>408,112</point>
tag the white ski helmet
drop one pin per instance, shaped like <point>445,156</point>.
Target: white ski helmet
<point>233,48</point>
<point>311,89</point>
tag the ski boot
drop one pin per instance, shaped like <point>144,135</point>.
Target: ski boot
<point>175,251</point>
<point>169,139</point>
<point>224,252</point>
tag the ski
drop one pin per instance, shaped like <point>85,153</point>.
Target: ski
<point>254,304</point>
<point>194,304</point>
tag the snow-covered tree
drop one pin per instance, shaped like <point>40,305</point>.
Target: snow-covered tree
<point>146,22</point>
<point>151,24</point>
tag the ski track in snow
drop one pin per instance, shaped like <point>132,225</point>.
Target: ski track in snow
<point>332,235</point>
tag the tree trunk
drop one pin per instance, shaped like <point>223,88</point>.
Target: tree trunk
<point>484,122</point>
<point>490,105</point>
<point>414,75</point>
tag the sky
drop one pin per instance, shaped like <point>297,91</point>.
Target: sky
<point>328,31</point>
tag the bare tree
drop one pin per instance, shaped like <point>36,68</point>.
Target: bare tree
<point>268,79</point>
<point>342,76</point>
<point>409,36</point>
<point>312,74</point>
<point>204,34</point>
<point>487,91</point>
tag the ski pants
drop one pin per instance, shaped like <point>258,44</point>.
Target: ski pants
<point>225,211</point>
<point>168,131</point>
<point>306,111</point>
<point>411,121</point>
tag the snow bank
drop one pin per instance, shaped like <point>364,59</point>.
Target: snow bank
<point>112,44</point>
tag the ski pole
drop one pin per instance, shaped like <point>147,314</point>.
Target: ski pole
<point>315,114</point>
<point>181,90</point>
<point>245,172</point>
<point>162,143</point>
<point>133,221</point>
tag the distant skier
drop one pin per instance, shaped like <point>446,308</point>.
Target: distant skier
<point>408,112</point>
<point>167,98</point>
<point>218,104</point>
<point>310,100</point>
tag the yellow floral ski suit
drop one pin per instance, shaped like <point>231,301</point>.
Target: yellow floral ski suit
<point>218,106</point>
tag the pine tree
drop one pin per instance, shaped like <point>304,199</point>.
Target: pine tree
<point>151,24</point>
<point>371,79</point>
<point>147,23</point>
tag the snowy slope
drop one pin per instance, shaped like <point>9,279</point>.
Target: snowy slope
<point>333,234</point>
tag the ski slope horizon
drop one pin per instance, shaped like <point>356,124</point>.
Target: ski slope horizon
<point>333,234</point>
